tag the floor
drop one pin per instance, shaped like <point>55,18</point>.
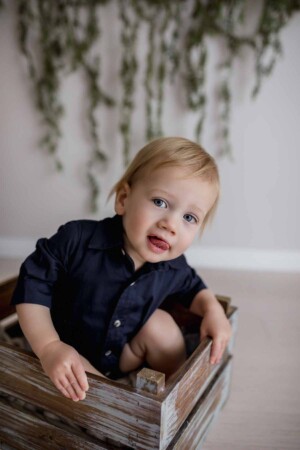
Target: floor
<point>263,410</point>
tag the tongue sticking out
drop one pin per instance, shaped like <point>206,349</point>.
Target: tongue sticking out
<point>159,243</point>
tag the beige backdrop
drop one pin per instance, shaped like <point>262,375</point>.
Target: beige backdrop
<point>259,211</point>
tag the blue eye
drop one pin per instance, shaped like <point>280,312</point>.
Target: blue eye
<point>159,203</point>
<point>189,218</point>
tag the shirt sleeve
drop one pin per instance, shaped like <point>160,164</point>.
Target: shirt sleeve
<point>190,284</point>
<point>40,272</point>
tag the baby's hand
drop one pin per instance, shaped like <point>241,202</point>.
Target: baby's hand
<point>216,325</point>
<point>62,364</point>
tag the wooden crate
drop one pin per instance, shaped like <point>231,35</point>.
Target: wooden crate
<point>6,289</point>
<point>113,415</point>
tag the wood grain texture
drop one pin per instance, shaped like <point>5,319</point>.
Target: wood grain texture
<point>131,417</point>
<point>186,386</point>
<point>225,302</point>
<point>193,432</point>
<point>23,430</point>
<point>107,410</point>
<point>6,290</point>
<point>150,381</point>
<point>185,391</point>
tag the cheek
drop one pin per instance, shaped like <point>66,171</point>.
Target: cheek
<point>188,237</point>
<point>134,222</point>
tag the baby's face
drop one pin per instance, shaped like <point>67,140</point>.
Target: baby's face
<point>162,213</point>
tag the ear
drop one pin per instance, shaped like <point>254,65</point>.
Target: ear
<point>120,201</point>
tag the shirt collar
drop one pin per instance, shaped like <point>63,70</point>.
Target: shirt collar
<point>109,234</point>
<point>177,263</point>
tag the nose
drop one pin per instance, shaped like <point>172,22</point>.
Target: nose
<point>168,223</point>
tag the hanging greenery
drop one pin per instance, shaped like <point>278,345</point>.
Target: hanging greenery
<point>63,36</point>
<point>57,38</point>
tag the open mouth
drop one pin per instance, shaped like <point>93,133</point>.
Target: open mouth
<point>157,244</point>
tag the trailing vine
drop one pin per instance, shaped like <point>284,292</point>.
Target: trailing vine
<point>275,15</point>
<point>64,34</point>
<point>195,61</point>
<point>57,38</point>
<point>129,66</point>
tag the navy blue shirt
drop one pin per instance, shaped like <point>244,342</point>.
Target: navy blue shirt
<point>98,302</point>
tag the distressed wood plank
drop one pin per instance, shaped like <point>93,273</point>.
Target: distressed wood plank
<point>23,430</point>
<point>195,428</point>
<point>6,290</point>
<point>186,386</point>
<point>134,418</point>
<point>224,301</point>
<point>150,381</point>
<point>185,391</point>
<point>110,409</point>
<point>233,316</point>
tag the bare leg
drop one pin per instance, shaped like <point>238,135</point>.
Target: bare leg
<point>159,342</point>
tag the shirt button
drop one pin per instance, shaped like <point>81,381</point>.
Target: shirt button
<point>107,374</point>
<point>108,353</point>
<point>123,252</point>
<point>117,323</point>
<point>132,284</point>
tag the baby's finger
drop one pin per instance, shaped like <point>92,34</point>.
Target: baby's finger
<point>73,384</point>
<point>216,350</point>
<point>74,389</point>
<point>67,388</point>
<point>222,348</point>
<point>61,387</point>
<point>80,376</point>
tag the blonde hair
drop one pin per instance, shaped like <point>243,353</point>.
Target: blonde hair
<point>178,152</point>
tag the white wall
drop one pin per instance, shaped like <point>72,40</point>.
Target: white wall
<point>257,224</point>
